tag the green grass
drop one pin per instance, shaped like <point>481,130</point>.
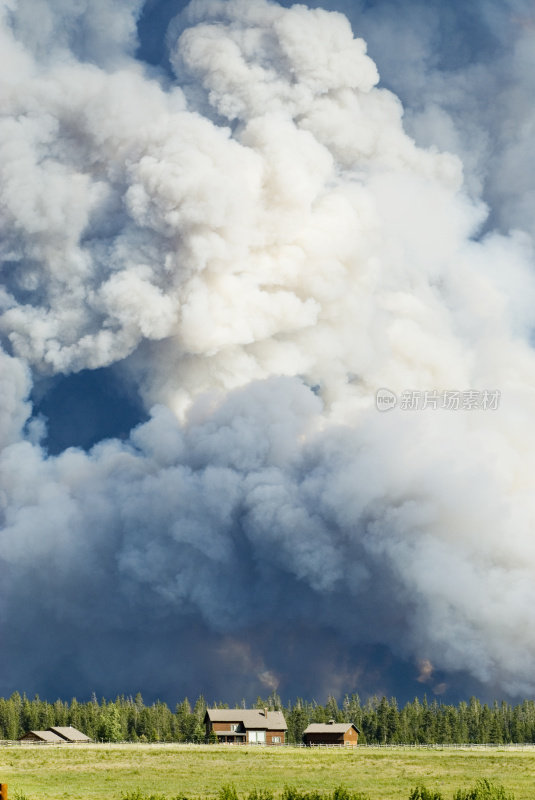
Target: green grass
<point>107,772</point>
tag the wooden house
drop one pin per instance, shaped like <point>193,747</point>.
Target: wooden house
<point>246,725</point>
<point>333,733</point>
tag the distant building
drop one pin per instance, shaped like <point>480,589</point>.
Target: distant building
<point>42,737</point>
<point>56,736</point>
<point>246,725</point>
<point>334,733</point>
<point>70,734</point>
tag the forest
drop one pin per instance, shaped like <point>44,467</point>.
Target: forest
<point>380,720</point>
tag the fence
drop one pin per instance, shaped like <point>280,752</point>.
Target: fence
<point>346,747</point>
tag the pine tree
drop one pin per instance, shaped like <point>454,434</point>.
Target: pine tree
<point>297,720</point>
<point>110,729</point>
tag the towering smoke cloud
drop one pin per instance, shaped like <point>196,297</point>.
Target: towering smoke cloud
<point>256,246</point>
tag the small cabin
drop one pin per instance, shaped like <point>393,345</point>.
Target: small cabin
<point>331,733</point>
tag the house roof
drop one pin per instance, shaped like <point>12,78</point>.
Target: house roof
<point>251,718</point>
<point>70,734</point>
<point>45,736</point>
<point>330,727</point>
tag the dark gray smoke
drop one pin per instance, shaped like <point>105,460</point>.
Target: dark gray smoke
<point>250,241</point>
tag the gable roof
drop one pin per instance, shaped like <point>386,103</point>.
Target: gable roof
<point>251,718</point>
<point>330,727</point>
<point>44,736</point>
<point>70,734</point>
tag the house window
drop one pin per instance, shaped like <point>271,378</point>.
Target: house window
<point>276,739</point>
<point>257,737</point>
<point>234,726</point>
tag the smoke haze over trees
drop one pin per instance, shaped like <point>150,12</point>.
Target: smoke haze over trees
<point>223,227</point>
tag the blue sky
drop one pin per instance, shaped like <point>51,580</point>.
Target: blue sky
<point>224,227</point>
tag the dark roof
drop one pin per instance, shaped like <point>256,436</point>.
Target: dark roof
<point>330,727</point>
<point>70,734</point>
<point>251,718</point>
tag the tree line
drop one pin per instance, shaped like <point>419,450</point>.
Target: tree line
<point>380,720</point>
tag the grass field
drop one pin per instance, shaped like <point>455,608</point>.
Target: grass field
<point>104,772</point>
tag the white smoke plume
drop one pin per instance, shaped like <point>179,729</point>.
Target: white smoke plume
<point>259,246</point>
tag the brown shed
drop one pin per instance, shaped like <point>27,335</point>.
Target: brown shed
<point>246,725</point>
<point>333,733</point>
